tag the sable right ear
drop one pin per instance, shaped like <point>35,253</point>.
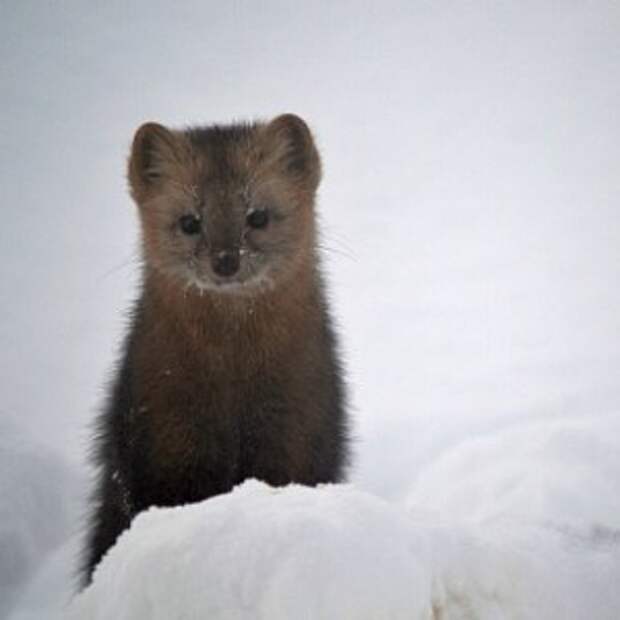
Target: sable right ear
<point>153,146</point>
<point>291,140</point>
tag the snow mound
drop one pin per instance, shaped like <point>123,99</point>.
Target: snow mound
<point>559,472</point>
<point>545,495</point>
<point>331,552</point>
<point>520,524</point>
<point>261,552</point>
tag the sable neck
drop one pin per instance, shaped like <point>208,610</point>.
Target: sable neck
<point>224,316</point>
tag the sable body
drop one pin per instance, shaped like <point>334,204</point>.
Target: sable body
<point>232,377</point>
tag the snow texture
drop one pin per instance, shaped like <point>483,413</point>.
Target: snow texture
<point>259,552</point>
<point>491,531</point>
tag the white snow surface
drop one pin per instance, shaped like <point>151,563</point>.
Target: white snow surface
<point>260,552</point>
<point>490,532</point>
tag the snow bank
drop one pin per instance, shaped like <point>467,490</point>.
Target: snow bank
<point>546,494</point>
<point>338,553</point>
<point>562,472</point>
<point>521,524</point>
<point>260,552</point>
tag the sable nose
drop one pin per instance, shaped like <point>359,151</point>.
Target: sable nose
<point>225,263</point>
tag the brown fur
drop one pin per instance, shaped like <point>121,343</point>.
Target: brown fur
<point>222,378</point>
<point>241,335</point>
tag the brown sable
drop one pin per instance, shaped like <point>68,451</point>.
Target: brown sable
<point>230,368</point>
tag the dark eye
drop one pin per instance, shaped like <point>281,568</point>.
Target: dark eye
<point>190,224</point>
<point>257,218</point>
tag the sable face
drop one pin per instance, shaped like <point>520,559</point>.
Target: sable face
<point>229,208</point>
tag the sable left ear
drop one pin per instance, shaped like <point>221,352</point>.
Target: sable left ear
<point>292,143</point>
<point>154,148</point>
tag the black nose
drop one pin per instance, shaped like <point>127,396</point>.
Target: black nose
<point>225,263</point>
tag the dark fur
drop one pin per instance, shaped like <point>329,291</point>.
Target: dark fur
<point>216,388</point>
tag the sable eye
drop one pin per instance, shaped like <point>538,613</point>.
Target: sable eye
<point>257,218</point>
<point>189,224</point>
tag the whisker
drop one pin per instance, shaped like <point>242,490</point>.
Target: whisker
<point>132,259</point>
<point>340,241</point>
<point>340,252</point>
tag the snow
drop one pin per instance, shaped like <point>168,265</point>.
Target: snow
<point>536,472</point>
<point>52,588</point>
<point>471,235</point>
<point>41,510</point>
<point>512,524</point>
<point>338,552</point>
<point>536,496</point>
<point>260,552</point>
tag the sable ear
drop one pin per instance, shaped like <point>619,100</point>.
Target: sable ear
<point>153,147</point>
<point>290,140</point>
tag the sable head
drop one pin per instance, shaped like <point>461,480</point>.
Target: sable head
<point>226,208</point>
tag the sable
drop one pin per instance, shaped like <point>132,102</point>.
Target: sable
<point>230,368</point>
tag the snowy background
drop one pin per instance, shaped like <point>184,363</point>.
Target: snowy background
<point>471,220</point>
